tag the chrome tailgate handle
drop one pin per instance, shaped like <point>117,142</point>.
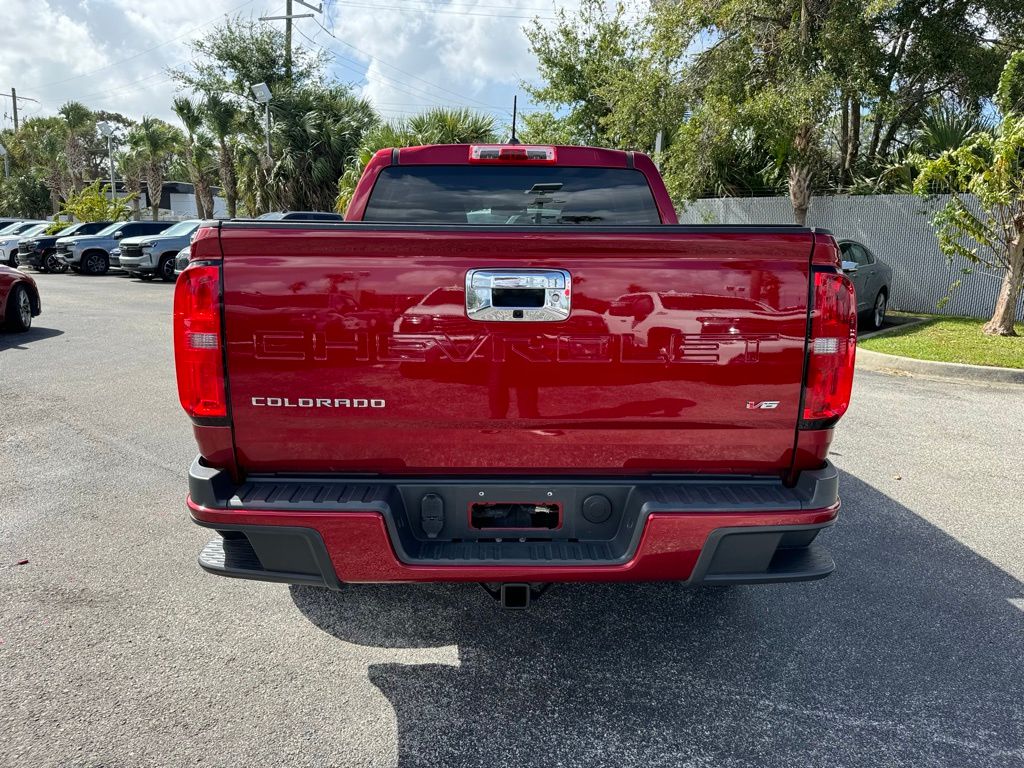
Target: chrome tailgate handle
<point>518,295</point>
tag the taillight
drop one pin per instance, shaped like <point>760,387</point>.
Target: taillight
<point>198,356</point>
<point>830,350</point>
<point>511,153</point>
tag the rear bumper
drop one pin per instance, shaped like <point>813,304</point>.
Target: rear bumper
<point>328,545</point>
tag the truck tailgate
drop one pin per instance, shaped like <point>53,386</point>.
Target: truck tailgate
<point>349,349</point>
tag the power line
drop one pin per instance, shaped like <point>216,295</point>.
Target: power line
<point>401,85</point>
<point>15,98</point>
<point>130,86</point>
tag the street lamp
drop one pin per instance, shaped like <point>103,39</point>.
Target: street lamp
<point>108,130</point>
<point>262,94</point>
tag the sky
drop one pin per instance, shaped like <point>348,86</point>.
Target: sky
<point>402,55</point>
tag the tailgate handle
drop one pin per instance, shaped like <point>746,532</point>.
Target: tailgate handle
<point>518,295</point>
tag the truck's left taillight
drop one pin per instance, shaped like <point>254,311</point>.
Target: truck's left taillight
<point>198,340</point>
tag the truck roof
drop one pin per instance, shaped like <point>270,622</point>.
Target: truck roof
<point>458,154</point>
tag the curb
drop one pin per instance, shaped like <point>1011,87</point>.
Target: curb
<point>910,322</point>
<point>885,363</point>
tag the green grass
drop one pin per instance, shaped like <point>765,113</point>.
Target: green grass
<point>952,340</point>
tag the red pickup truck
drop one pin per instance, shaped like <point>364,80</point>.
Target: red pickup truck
<point>511,365</point>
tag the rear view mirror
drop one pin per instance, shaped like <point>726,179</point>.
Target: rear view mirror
<point>118,235</point>
<point>849,267</point>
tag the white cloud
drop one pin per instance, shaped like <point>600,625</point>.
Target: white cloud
<point>475,56</point>
<point>113,54</point>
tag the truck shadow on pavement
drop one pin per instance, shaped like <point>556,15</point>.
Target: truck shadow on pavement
<point>21,340</point>
<point>911,654</point>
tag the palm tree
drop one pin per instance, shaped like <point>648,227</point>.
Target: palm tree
<point>435,126</point>
<point>221,118</point>
<point>315,133</point>
<point>41,142</point>
<point>155,141</point>
<point>132,167</point>
<point>191,117</point>
<point>316,130</point>
<point>204,154</point>
<point>451,126</point>
<point>946,128</point>
<point>79,121</point>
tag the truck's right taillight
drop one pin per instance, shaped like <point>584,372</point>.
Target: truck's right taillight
<point>198,355</point>
<point>831,350</point>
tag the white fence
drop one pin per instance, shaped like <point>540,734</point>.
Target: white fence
<point>896,228</point>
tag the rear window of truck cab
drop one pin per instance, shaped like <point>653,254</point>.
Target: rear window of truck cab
<point>511,195</point>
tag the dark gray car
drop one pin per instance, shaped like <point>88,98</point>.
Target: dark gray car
<point>871,278</point>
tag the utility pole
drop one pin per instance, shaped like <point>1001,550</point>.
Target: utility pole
<point>13,96</point>
<point>288,40</point>
<point>288,16</point>
<point>108,130</point>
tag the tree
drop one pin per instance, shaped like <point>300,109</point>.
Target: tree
<point>435,126</point>
<point>991,167</point>
<point>316,129</point>
<point>581,60</point>
<point>39,148</point>
<point>952,50</point>
<point>155,141</point>
<point>191,116</point>
<point>770,63</point>
<point>95,203</point>
<point>23,195</point>
<point>239,53</point>
<point>79,124</point>
<point>132,166</point>
<point>221,117</point>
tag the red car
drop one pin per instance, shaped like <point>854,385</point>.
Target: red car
<point>19,299</point>
<point>510,433</point>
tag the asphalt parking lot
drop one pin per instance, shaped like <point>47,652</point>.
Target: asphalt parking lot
<point>116,650</point>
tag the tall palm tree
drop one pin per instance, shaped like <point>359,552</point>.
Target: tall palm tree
<point>204,154</point>
<point>155,141</point>
<point>79,121</point>
<point>132,167</point>
<point>435,126</point>
<point>221,118</point>
<point>316,129</point>
<point>191,117</point>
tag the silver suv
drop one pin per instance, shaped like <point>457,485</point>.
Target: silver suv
<point>90,255</point>
<point>150,256</point>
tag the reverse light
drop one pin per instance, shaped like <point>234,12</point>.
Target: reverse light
<point>511,153</point>
<point>198,354</point>
<point>831,350</point>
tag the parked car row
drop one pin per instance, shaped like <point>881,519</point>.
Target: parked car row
<point>145,249</point>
